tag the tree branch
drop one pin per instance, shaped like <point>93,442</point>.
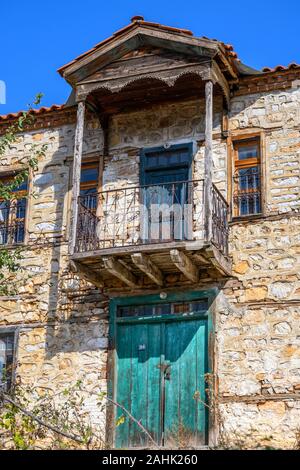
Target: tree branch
<point>39,421</point>
<point>72,436</point>
<point>134,420</point>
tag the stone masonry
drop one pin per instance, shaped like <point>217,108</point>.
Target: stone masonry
<point>62,321</point>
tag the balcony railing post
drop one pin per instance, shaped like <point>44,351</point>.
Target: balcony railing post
<point>208,160</point>
<point>76,173</point>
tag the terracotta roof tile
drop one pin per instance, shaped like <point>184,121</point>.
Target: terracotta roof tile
<point>135,22</point>
<point>42,110</point>
<point>280,68</point>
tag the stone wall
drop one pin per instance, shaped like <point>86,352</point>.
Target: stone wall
<point>62,321</point>
<point>258,325</point>
<point>277,114</point>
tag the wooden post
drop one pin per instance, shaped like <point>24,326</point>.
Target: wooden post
<point>104,122</point>
<point>208,163</point>
<point>76,174</point>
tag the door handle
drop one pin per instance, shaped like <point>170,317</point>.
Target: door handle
<point>166,370</point>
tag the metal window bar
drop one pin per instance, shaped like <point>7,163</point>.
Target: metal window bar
<point>12,229</point>
<point>6,361</point>
<point>247,195</point>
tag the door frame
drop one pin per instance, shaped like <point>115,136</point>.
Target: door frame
<point>190,146</point>
<point>190,296</point>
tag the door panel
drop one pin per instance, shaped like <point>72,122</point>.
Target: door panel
<point>166,188</point>
<point>160,380</point>
<point>185,390</point>
<point>138,382</point>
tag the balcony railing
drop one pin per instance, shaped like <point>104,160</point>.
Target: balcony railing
<point>141,215</point>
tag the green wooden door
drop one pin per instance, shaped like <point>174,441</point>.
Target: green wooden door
<point>185,411</point>
<point>161,364</point>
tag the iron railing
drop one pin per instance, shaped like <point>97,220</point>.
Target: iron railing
<point>12,221</point>
<point>247,193</point>
<point>12,234</point>
<point>220,216</point>
<point>140,215</point>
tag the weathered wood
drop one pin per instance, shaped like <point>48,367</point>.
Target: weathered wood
<point>123,44</point>
<point>201,259</point>
<point>150,248</point>
<point>76,173</point>
<point>208,159</point>
<point>121,272</point>
<point>144,263</point>
<point>220,262</point>
<point>104,121</point>
<point>86,273</point>
<point>185,265</point>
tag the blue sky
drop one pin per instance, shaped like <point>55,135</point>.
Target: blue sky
<point>38,36</point>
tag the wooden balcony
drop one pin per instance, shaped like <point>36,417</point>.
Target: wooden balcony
<point>147,236</point>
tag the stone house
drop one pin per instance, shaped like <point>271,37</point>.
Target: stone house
<point>162,240</point>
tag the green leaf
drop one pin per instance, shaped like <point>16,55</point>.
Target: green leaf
<point>120,420</point>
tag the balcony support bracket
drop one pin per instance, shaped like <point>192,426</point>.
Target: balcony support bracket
<point>219,261</point>
<point>185,265</point>
<point>86,273</point>
<point>117,269</point>
<point>144,263</point>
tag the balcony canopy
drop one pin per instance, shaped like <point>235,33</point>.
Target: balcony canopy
<point>148,62</point>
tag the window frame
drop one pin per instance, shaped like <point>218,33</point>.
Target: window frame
<point>13,207</point>
<point>11,331</point>
<point>235,142</point>
<point>93,184</point>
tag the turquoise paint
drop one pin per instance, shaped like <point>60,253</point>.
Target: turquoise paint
<point>136,379</point>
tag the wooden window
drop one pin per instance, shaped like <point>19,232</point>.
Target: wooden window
<point>174,308</point>
<point>247,178</point>
<point>89,184</point>
<point>7,341</point>
<point>13,214</point>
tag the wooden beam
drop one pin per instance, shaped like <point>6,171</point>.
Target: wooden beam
<point>86,273</point>
<point>144,263</point>
<point>221,262</point>
<point>118,270</point>
<point>208,159</point>
<point>76,173</point>
<point>185,265</point>
<point>201,258</point>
